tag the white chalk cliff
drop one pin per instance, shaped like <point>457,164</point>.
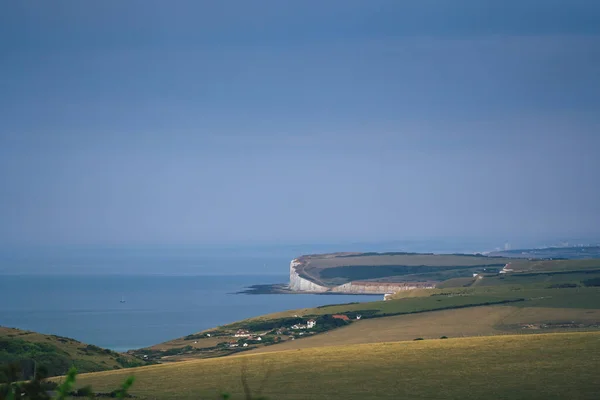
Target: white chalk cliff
<point>300,284</point>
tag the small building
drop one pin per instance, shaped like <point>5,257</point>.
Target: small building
<point>358,317</point>
<point>387,296</point>
<point>341,316</point>
<point>506,269</point>
<point>311,323</point>
<point>245,344</point>
<point>242,333</point>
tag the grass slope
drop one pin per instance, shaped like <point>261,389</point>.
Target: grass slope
<point>59,353</point>
<point>552,366</point>
<point>464,322</point>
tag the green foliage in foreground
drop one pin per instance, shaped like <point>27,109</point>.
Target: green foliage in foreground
<point>41,389</point>
<point>18,351</point>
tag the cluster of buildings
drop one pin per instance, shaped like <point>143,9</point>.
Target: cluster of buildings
<point>311,323</point>
<point>242,333</point>
<point>245,334</point>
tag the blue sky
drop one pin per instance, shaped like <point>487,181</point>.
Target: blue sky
<point>189,122</point>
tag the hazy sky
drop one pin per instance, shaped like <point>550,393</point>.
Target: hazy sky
<point>266,121</point>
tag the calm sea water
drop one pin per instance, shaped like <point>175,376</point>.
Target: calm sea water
<point>157,308</point>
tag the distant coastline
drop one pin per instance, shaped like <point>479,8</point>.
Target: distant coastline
<point>284,288</point>
<point>373,273</point>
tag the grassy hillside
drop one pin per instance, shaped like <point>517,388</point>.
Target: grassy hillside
<point>552,366</point>
<point>463,322</point>
<point>57,354</point>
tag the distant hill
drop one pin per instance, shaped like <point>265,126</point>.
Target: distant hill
<point>384,272</point>
<point>57,354</point>
<point>567,253</point>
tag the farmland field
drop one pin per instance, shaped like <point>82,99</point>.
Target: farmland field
<point>473,321</point>
<point>550,366</point>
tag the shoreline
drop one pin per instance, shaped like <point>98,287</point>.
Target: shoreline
<point>284,288</point>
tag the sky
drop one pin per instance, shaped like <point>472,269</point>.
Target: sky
<point>219,122</point>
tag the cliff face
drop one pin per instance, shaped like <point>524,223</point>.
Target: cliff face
<point>380,287</point>
<point>300,284</point>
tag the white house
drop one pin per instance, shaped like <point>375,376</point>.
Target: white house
<point>242,333</point>
<point>506,269</point>
<point>245,344</point>
<point>311,323</point>
<point>358,317</point>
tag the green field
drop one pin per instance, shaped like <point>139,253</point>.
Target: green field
<point>550,366</point>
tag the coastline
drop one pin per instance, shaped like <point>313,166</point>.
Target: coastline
<point>284,288</point>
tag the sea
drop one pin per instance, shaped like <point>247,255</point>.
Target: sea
<point>129,300</point>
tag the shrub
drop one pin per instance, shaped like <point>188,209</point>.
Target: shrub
<point>419,338</point>
<point>563,285</point>
<point>444,337</point>
<point>592,282</point>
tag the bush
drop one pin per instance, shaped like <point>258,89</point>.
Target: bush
<point>419,338</point>
<point>271,324</point>
<point>129,363</point>
<point>85,391</point>
<point>444,337</point>
<point>563,286</point>
<point>592,282</point>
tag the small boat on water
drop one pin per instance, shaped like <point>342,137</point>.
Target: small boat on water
<point>122,299</point>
